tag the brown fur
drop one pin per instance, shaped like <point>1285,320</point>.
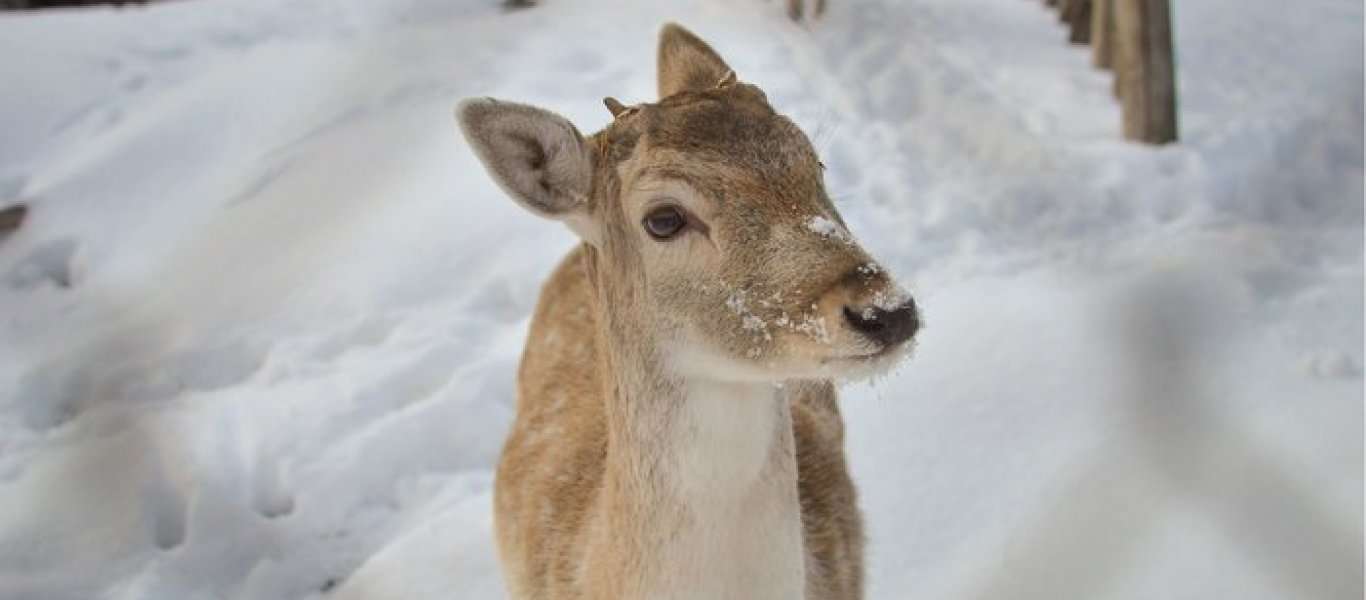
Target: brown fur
<point>551,471</point>
<point>587,500</point>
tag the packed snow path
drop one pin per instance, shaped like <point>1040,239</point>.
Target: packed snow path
<point>259,334</point>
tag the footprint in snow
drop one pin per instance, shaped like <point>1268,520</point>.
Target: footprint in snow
<point>371,331</point>
<point>59,390</point>
<point>59,262</point>
<point>164,509</point>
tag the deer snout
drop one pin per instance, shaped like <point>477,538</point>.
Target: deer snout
<point>887,326</point>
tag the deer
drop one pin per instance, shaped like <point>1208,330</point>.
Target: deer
<point>677,434</point>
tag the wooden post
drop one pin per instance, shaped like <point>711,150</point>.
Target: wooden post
<point>1146,70</point>
<point>1079,18</point>
<point>1103,34</point>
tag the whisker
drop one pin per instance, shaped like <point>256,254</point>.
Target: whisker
<point>843,199</point>
<point>826,128</point>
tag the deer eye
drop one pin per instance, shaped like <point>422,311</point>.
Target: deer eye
<point>664,223</point>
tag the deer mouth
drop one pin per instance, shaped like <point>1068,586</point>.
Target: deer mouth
<point>863,365</point>
<point>856,357</point>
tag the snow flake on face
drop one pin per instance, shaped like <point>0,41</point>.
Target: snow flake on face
<point>829,229</point>
<point>891,299</point>
<point>738,303</point>
<point>810,324</point>
<point>814,327</point>
<point>753,323</point>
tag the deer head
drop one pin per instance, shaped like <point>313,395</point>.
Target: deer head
<point>712,244</point>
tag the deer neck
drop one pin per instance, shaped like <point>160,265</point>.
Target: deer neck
<point>700,483</point>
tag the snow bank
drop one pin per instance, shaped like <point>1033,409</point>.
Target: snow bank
<point>259,334</point>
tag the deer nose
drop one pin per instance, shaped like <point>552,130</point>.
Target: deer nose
<point>889,327</point>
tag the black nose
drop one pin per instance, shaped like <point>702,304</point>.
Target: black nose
<point>890,327</point>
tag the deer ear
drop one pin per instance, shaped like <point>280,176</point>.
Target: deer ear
<point>686,62</point>
<point>536,156</point>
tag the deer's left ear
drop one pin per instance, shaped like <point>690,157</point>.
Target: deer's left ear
<point>686,62</point>
<point>536,156</point>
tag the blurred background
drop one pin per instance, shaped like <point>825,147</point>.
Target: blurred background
<point>261,308</point>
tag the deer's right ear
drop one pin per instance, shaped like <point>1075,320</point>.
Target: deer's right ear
<point>536,156</point>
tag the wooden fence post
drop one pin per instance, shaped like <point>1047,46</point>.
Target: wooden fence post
<point>1080,20</point>
<point>1103,34</point>
<point>1145,70</point>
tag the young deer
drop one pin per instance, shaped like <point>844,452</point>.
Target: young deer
<point>677,434</point>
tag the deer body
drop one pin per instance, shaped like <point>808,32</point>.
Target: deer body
<point>677,435</point>
<point>672,485</point>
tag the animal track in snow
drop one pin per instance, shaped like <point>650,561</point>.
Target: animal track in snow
<point>59,390</point>
<point>59,262</point>
<point>163,511</point>
<point>216,366</point>
<point>270,497</point>
<point>1330,364</point>
<point>370,331</point>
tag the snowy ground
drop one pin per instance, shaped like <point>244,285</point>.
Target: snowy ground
<point>258,337</point>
